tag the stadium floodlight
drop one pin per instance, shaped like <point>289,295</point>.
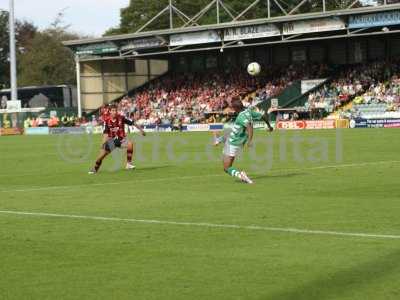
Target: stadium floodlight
<point>13,56</point>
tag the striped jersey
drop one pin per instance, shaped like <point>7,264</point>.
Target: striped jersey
<point>238,135</point>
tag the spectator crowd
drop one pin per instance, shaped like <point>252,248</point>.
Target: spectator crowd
<point>198,98</point>
<point>371,83</point>
<point>186,97</point>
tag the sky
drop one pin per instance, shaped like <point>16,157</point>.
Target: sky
<point>88,17</point>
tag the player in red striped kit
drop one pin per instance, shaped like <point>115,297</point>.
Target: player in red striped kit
<point>114,136</point>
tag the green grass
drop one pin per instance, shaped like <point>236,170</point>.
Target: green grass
<point>63,258</point>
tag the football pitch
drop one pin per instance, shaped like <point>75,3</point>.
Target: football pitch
<point>322,220</point>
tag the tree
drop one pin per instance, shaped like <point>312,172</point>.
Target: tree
<point>45,60</point>
<point>4,50</point>
<point>139,12</point>
<point>42,58</point>
<point>24,31</point>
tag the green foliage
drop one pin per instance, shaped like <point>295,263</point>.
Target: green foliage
<point>4,45</point>
<point>24,34</point>
<point>46,61</point>
<point>41,57</point>
<point>139,12</point>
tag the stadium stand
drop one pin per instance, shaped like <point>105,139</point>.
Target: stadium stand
<point>190,96</point>
<point>381,100</point>
<point>373,91</point>
<point>286,76</point>
<point>186,96</point>
<point>373,87</point>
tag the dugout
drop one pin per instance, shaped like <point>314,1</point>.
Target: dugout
<point>110,67</point>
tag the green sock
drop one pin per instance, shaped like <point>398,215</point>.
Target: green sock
<point>233,172</point>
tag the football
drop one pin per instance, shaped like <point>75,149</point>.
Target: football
<point>254,69</point>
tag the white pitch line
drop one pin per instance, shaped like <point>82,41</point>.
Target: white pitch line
<point>107,183</point>
<point>354,165</point>
<point>48,188</point>
<point>207,225</point>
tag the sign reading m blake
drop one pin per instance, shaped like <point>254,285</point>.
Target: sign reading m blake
<point>250,32</point>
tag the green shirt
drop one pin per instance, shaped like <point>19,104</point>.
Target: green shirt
<point>256,116</point>
<point>239,135</point>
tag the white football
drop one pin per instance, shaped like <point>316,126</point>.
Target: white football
<point>254,69</point>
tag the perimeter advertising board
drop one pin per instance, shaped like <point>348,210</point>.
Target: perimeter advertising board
<point>195,38</point>
<point>309,124</point>
<point>375,123</point>
<point>37,131</point>
<point>317,25</point>
<point>251,32</point>
<point>11,131</point>
<point>144,43</point>
<point>374,20</point>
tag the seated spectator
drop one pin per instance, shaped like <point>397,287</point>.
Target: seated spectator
<point>362,84</point>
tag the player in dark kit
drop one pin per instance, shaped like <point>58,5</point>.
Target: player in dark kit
<point>114,136</point>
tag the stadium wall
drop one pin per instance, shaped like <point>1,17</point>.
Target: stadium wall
<point>102,81</point>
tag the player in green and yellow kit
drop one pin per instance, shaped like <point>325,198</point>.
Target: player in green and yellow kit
<point>241,133</point>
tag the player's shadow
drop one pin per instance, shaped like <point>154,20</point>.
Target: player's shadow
<point>345,282</point>
<point>282,175</point>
